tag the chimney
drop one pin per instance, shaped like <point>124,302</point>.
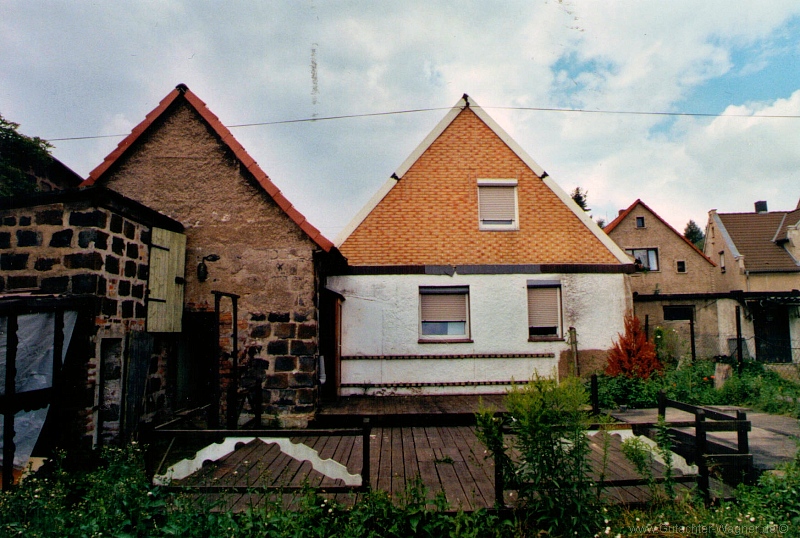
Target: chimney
<point>761,206</point>
<point>621,211</point>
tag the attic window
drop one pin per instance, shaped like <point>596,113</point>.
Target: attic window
<point>444,313</point>
<point>681,266</point>
<point>640,222</point>
<point>497,204</point>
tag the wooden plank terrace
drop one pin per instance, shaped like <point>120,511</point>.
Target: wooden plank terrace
<point>448,459</point>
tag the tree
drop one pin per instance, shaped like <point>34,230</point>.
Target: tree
<point>633,355</point>
<point>19,156</point>
<point>693,233</point>
<point>581,198</point>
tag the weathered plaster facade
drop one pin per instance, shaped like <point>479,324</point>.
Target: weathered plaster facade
<point>694,274</point>
<point>382,352</point>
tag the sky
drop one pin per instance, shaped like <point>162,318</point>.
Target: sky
<point>671,92</point>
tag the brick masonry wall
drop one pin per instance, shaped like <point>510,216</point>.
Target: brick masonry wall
<point>181,169</point>
<point>78,249</point>
<point>431,215</point>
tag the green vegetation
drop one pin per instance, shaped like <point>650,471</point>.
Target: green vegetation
<point>551,468</point>
<point>19,154</point>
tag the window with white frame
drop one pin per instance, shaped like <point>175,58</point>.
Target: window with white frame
<point>544,309</point>
<point>497,204</point>
<point>646,258</point>
<point>444,312</point>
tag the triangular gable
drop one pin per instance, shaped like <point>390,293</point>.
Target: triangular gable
<point>228,139</point>
<point>464,103</point>
<point>614,223</point>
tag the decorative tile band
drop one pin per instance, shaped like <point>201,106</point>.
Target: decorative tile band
<point>427,357</point>
<point>443,384</point>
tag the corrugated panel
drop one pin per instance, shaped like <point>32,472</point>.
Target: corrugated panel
<point>165,288</point>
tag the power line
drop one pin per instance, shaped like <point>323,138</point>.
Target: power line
<point>533,109</point>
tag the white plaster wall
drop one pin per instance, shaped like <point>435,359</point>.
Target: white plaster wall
<point>726,318</point>
<point>380,316</point>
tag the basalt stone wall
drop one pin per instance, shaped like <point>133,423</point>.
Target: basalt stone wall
<point>80,249</point>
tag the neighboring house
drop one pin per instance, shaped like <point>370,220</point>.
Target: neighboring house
<point>77,267</point>
<point>244,239</point>
<point>674,283</point>
<point>758,258</point>
<point>467,269</point>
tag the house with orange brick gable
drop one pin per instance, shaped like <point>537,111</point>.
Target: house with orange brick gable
<point>469,269</point>
<point>240,313</point>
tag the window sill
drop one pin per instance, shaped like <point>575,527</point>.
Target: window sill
<point>444,341</point>
<point>546,339</point>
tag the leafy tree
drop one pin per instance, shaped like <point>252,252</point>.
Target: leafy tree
<point>601,222</point>
<point>19,155</point>
<point>693,233</point>
<point>581,198</point>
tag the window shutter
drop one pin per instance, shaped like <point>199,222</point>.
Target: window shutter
<point>497,203</point>
<point>166,281</point>
<point>543,308</point>
<point>448,307</point>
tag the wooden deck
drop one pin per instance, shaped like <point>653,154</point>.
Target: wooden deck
<point>448,459</point>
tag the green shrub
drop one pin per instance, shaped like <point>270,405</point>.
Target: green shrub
<point>550,469</point>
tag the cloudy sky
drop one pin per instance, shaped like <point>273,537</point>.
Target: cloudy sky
<point>90,69</point>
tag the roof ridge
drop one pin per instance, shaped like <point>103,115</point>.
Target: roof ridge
<point>227,138</point>
<point>467,102</point>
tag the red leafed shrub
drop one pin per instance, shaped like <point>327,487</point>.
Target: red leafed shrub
<point>633,355</point>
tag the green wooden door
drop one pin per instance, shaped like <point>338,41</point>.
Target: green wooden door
<point>165,287</point>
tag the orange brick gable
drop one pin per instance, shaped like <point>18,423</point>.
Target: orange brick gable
<point>430,217</point>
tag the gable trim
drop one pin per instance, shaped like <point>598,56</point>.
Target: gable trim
<point>227,138</point>
<point>452,114</point>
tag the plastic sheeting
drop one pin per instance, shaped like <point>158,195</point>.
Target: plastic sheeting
<point>36,341</point>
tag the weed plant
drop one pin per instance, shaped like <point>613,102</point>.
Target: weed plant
<point>545,459</point>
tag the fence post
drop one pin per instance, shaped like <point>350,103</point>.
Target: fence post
<point>595,396</point>
<point>662,404</point>
<point>365,470</point>
<point>573,342</point>
<point>743,444</point>
<point>9,448</point>
<point>499,486</point>
<point>739,359</point>
<point>700,448</point>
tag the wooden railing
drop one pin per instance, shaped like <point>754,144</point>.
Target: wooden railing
<point>694,447</point>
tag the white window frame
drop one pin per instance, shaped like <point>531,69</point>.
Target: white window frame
<point>434,291</point>
<point>559,327</point>
<point>494,226</point>
<point>632,253</point>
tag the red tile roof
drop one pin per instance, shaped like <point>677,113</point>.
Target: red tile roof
<point>614,223</point>
<point>228,139</point>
